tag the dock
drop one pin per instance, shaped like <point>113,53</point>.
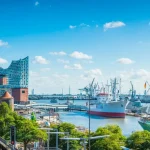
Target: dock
<point>54,107</point>
<point>77,108</point>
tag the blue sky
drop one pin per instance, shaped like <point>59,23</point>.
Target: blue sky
<point>98,38</point>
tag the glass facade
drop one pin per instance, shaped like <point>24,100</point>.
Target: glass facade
<point>17,74</point>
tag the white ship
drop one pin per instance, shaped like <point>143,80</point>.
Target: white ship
<point>109,105</point>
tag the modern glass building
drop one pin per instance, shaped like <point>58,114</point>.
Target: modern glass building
<point>15,78</point>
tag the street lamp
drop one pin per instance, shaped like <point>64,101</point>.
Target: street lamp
<point>84,139</point>
<point>57,137</point>
<point>51,129</point>
<point>89,122</point>
<point>47,129</point>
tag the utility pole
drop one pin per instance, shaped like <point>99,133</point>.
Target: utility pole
<point>89,123</point>
<point>62,91</point>
<point>69,90</point>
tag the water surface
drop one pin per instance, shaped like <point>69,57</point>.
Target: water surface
<point>127,124</point>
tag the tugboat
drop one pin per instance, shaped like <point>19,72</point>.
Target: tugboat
<point>111,105</point>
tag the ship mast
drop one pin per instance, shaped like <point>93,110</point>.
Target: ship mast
<point>114,88</point>
<point>108,88</point>
<point>120,87</point>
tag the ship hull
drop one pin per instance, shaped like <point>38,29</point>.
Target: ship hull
<point>113,109</point>
<point>108,114</point>
<point>145,126</point>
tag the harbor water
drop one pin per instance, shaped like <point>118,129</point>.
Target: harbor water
<point>128,124</point>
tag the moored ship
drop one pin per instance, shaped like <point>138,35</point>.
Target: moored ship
<point>145,123</point>
<point>145,120</point>
<point>109,105</point>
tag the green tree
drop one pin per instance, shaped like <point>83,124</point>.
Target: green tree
<point>27,131</point>
<point>139,140</point>
<point>6,120</point>
<point>113,142</point>
<point>4,109</point>
<point>71,129</point>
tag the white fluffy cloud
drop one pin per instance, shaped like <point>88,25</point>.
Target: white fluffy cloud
<point>63,61</point>
<point>3,61</point>
<point>141,73</point>
<point>84,25</point>
<point>81,25</point>
<point>2,43</point>
<point>61,53</point>
<point>74,66</point>
<point>93,73</point>
<point>72,27</point>
<point>134,74</point>
<point>113,24</point>
<point>40,60</point>
<point>126,61</point>
<point>80,55</point>
<point>36,3</point>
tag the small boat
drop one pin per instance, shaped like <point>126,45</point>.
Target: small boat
<point>54,101</point>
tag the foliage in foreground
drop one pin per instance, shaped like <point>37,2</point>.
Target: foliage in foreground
<point>139,140</point>
<point>113,142</point>
<point>71,129</point>
<point>27,130</point>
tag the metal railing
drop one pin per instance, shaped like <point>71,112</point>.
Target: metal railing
<point>5,144</point>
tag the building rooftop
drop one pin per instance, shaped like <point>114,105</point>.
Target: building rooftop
<point>6,95</point>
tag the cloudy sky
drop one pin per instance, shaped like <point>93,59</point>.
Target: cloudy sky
<point>70,42</point>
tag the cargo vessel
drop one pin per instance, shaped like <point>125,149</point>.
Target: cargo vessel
<point>110,105</point>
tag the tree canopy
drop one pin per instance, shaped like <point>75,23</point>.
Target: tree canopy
<point>73,132</point>
<point>139,140</point>
<point>27,130</point>
<point>115,140</point>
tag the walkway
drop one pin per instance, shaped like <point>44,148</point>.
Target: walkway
<point>4,145</point>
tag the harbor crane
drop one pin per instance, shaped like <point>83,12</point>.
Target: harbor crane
<point>133,92</point>
<point>90,89</point>
<point>148,88</point>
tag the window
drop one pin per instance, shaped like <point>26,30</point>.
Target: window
<point>23,91</point>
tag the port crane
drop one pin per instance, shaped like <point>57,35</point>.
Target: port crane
<point>148,88</point>
<point>90,89</point>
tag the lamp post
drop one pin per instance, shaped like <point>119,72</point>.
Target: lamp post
<point>84,139</point>
<point>89,123</point>
<point>47,130</point>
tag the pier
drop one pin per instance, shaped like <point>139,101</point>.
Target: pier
<point>55,107</point>
<point>77,108</point>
